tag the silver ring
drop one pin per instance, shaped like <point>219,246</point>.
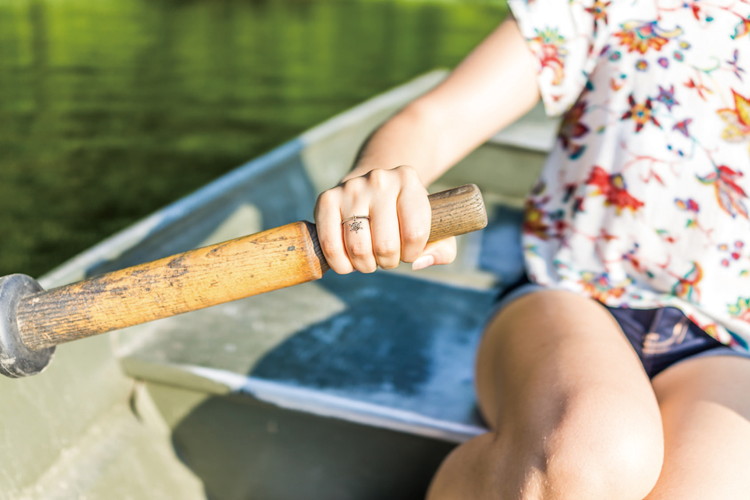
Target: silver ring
<point>355,222</point>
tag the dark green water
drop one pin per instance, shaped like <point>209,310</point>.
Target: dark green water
<point>110,109</point>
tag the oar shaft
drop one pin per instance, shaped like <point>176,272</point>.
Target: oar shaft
<point>173,285</point>
<point>235,269</point>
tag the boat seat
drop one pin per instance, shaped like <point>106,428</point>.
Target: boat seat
<point>370,365</point>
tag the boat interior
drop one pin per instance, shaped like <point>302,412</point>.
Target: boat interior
<point>350,387</point>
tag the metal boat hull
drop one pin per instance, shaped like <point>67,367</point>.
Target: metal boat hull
<point>351,387</point>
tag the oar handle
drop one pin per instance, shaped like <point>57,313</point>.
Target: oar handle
<point>261,262</point>
<point>457,211</point>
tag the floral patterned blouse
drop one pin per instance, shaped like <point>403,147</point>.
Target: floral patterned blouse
<point>644,199</point>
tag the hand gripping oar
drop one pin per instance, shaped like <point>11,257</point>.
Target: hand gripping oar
<point>34,321</point>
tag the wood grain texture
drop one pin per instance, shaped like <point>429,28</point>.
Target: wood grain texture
<point>235,269</point>
<point>457,211</point>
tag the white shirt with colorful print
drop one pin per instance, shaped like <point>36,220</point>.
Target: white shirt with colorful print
<point>644,199</point>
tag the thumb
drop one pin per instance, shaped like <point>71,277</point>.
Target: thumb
<point>435,253</point>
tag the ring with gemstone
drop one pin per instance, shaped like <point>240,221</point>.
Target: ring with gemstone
<point>355,222</point>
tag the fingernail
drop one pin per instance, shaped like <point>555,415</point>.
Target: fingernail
<point>422,262</point>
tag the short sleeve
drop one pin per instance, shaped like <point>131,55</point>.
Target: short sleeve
<point>566,36</point>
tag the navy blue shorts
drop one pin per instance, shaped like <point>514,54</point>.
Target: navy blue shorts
<point>661,337</point>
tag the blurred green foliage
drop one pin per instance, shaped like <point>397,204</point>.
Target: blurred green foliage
<point>110,109</point>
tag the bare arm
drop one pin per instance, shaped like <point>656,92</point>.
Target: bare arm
<point>491,88</point>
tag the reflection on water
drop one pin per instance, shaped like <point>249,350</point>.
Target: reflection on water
<point>109,109</point>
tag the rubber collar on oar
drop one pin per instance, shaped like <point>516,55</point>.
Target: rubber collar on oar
<point>17,360</point>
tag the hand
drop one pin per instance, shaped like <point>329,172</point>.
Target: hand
<point>395,201</point>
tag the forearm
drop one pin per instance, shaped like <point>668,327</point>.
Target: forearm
<point>491,88</point>
<point>411,137</point>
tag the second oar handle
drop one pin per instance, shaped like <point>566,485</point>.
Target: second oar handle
<point>235,269</point>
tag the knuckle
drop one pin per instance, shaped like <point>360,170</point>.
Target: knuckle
<point>358,250</point>
<point>341,267</point>
<point>408,174</point>
<point>405,170</point>
<point>334,257</point>
<point>327,198</point>
<point>409,257</point>
<point>380,178</point>
<point>386,249</point>
<point>388,263</point>
<point>354,185</point>
<point>327,246</point>
<point>417,235</point>
<point>337,260</point>
<point>367,268</point>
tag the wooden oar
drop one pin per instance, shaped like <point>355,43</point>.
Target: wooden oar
<point>34,321</point>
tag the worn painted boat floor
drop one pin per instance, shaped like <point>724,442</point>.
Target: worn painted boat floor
<point>380,345</point>
<point>399,342</point>
<point>331,379</point>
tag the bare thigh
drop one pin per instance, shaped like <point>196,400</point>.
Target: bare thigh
<point>705,405</point>
<point>572,413</point>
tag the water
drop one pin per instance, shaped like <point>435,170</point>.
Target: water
<point>110,109</point>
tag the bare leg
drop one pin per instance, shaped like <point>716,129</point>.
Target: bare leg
<point>706,413</point>
<point>572,413</point>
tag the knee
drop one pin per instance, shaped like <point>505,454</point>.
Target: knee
<point>624,466</point>
<point>592,459</point>
<point>569,462</point>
